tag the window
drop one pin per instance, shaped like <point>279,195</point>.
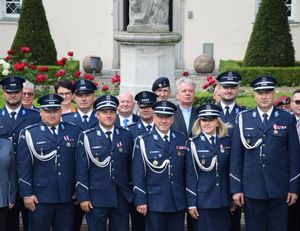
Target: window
<point>290,7</point>
<point>11,8</point>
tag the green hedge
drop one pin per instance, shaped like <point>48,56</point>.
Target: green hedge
<point>286,76</point>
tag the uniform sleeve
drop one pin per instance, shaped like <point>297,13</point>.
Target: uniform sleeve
<point>190,178</point>
<point>236,161</point>
<point>82,171</point>
<point>139,175</point>
<point>24,167</point>
<point>294,156</point>
<point>12,176</point>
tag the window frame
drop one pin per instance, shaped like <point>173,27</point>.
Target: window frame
<point>7,15</point>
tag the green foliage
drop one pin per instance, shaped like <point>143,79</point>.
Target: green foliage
<point>285,76</point>
<point>270,43</point>
<point>203,98</point>
<point>33,31</point>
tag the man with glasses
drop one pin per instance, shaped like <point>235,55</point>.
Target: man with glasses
<point>294,210</point>
<point>13,118</point>
<point>46,168</point>
<point>265,160</point>
<point>28,95</point>
<point>85,118</point>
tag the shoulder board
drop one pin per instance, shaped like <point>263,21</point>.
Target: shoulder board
<point>89,130</point>
<point>68,113</point>
<point>130,125</point>
<point>246,110</point>
<point>69,123</point>
<point>30,110</point>
<point>31,126</point>
<point>145,135</point>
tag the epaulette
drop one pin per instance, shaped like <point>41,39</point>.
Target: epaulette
<point>145,135</point>
<point>70,123</point>
<point>242,112</point>
<point>88,130</point>
<point>30,126</point>
<point>130,125</point>
<point>31,110</point>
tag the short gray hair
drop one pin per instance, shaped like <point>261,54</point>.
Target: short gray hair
<point>185,80</point>
<point>28,84</point>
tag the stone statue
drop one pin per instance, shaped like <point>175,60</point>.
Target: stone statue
<point>148,16</point>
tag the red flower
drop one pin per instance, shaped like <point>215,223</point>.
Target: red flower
<point>104,87</point>
<point>10,52</point>
<point>77,74</point>
<point>25,49</point>
<point>43,69</point>
<point>96,83</point>
<point>115,79</point>
<point>7,58</point>
<point>60,73</point>
<point>70,53</point>
<point>61,62</point>
<point>89,77</point>
<point>19,66</point>
<point>185,73</point>
<point>205,85</point>
<point>33,67</point>
<point>39,78</point>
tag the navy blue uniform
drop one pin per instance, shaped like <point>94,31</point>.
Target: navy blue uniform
<point>234,112</point>
<point>265,166</point>
<point>105,185</point>
<point>75,118</point>
<point>138,129</point>
<point>161,189</point>
<point>50,178</point>
<point>208,189</point>
<point>10,129</point>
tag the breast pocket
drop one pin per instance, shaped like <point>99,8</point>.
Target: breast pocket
<point>250,133</point>
<point>3,130</point>
<point>42,147</point>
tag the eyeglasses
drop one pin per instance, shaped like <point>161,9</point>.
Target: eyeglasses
<point>28,94</point>
<point>64,94</point>
<point>297,102</point>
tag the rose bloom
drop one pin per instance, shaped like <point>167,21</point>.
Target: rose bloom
<point>96,83</point>
<point>60,73</point>
<point>10,52</point>
<point>185,73</point>
<point>8,58</point>
<point>40,78</point>
<point>43,69</point>
<point>115,79</point>
<point>19,66</point>
<point>89,77</point>
<point>33,67</point>
<point>5,72</point>
<point>77,74</point>
<point>70,53</point>
<point>25,49</point>
<point>104,88</point>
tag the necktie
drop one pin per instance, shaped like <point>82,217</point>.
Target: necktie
<point>13,115</point>
<point>265,119</point>
<point>148,127</point>
<point>53,129</point>
<point>108,137</point>
<point>226,112</point>
<point>85,117</point>
<point>212,141</point>
<point>166,141</point>
<point>298,128</point>
<point>125,122</point>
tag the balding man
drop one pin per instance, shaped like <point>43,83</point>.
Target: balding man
<point>125,108</point>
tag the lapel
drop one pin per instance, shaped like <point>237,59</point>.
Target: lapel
<point>21,117</point>
<point>207,143</point>
<point>172,145</point>
<point>47,133</point>
<point>117,122</point>
<point>192,120</point>
<point>180,121</point>
<point>93,120</point>
<point>61,132</point>
<point>273,118</point>
<point>7,119</point>
<point>116,139</point>
<point>257,120</point>
<point>78,120</point>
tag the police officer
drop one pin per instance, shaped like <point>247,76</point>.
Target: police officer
<point>102,169</point>
<point>13,118</point>
<point>85,118</point>
<point>161,87</point>
<point>145,100</point>
<point>207,171</point>
<point>158,172</point>
<point>265,161</point>
<point>228,82</point>
<point>46,168</point>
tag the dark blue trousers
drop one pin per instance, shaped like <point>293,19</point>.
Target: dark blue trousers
<point>159,221</point>
<point>59,216</point>
<point>118,217</point>
<point>137,219</point>
<point>269,213</point>
<point>213,220</point>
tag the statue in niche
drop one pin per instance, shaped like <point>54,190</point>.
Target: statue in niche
<point>148,15</point>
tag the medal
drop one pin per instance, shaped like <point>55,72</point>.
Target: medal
<point>179,153</point>
<point>275,132</point>
<point>68,144</point>
<point>120,149</point>
<point>203,161</point>
<point>248,141</point>
<point>155,162</point>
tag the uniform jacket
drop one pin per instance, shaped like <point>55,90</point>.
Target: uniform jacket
<point>208,189</point>
<point>135,118</point>
<point>137,129</point>
<point>100,184</point>
<point>272,169</point>
<point>10,129</point>
<point>75,118</point>
<point>8,180</point>
<point>50,181</point>
<point>234,112</point>
<point>165,191</point>
<point>179,124</point>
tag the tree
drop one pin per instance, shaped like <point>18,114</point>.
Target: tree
<point>271,42</point>
<point>33,31</point>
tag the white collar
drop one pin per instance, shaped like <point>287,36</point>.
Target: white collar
<point>162,135</point>
<point>88,114</point>
<point>261,113</point>
<point>9,110</point>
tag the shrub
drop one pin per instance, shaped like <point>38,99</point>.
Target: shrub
<point>270,43</point>
<point>33,31</point>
